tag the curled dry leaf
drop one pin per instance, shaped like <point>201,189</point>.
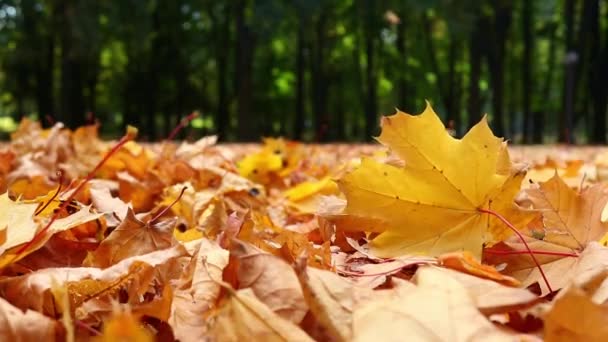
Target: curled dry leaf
<point>560,271</point>
<point>33,290</point>
<point>17,325</point>
<point>272,280</point>
<point>570,218</point>
<point>575,316</point>
<point>244,318</point>
<point>197,291</point>
<point>465,262</point>
<point>132,237</point>
<point>427,313</point>
<point>489,296</point>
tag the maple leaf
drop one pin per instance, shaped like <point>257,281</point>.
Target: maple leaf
<point>17,325</point>
<point>427,310</point>
<point>244,317</point>
<point>272,280</point>
<point>427,313</point>
<point>570,221</point>
<point>133,275</point>
<point>21,228</point>
<point>197,292</point>
<point>432,205</point>
<point>132,237</point>
<point>576,314</point>
<point>570,218</point>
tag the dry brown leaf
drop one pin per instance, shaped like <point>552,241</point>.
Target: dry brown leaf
<point>197,291</point>
<point>465,262</point>
<point>489,296</point>
<point>560,271</point>
<point>438,309</point>
<point>244,318</point>
<point>16,325</point>
<point>132,237</point>
<point>575,316</point>
<point>271,279</point>
<point>570,218</point>
<point>33,290</point>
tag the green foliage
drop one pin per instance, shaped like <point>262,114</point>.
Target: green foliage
<point>311,69</point>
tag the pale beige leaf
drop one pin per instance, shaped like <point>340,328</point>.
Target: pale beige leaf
<point>272,280</point>
<point>575,316</point>
<point>19,326</point>
<point>244,318</point>
<point>33,290</point>
<point>197,291</point>
<point>439,309</point>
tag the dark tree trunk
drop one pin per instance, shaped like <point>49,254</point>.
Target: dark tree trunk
<point>475,55</point>
<point>72,69</point>
<point>44,80</point>
<point>371,103</point>
<point>247,128</point>
<point>570,60</point>
<point>540,115</point>
<point>403,90</point>
<point>319,79</point>
<point>300,79</point>
<point>527,68</point>
<point>596,74</point>
<point>496,62</point>
<point>222,119</point>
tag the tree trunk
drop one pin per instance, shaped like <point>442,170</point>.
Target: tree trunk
<point>595,72</point>
<point>222,119</point>
<point>44,80</point>
<point>496,62</point>
<point>475,54</point>
<point>570,60</point>
<point>371,105</point>
<point>527,86</point>
<point>403,90</point>
<point>72,81</point>
<point>300,79</point>
<point>244,47</point>
<point>319,79</point>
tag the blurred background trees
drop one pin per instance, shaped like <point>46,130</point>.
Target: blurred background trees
<point>321,70</point>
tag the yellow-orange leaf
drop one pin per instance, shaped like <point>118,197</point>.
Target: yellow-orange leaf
<point>431,205</point>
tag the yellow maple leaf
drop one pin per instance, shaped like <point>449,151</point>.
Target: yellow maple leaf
<point>432,205</point>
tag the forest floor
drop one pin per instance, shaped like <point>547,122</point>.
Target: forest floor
<point>418,235</point>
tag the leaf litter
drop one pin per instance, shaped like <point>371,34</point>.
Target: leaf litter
<point>424,236</point>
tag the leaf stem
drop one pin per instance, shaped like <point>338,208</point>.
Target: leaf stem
<point>162,212</point>
<point>60,174</point>
<point>533,251</point>
<point>522,239</point>
<point>183,122</point>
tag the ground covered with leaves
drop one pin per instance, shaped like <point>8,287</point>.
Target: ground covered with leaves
<point>419,237</point>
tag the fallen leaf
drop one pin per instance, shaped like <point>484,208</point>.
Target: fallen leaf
<point>271,279</point>
<point>464,262</point>
<point>197,291</point>
<point>17,325</point>
<point>427,313</point>
<point>570,218</point>
<point>33,290</point>
<point>575,316</point>
<point>132,237</point>
<point>243,317</point>
<point>432,205</point>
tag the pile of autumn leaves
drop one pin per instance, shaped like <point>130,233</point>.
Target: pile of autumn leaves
<point>197,241</point>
